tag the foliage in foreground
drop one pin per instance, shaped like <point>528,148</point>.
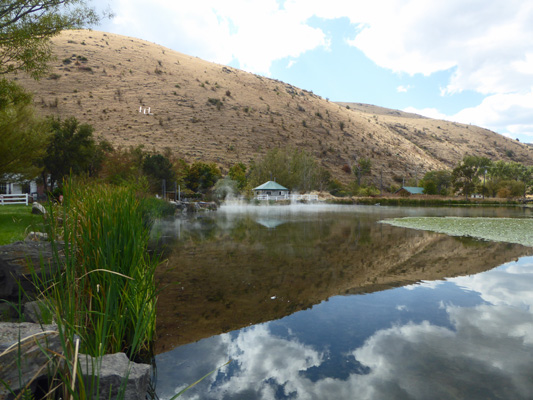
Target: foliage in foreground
<point>106,294</point>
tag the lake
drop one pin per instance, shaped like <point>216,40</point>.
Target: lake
<point>326,302</point>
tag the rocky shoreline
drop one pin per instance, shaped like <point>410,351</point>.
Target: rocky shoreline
<point>29,348</point>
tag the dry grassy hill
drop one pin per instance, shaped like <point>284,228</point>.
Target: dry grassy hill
<point>209,112</point>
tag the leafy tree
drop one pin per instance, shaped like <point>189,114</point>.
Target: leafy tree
<point>430,187</point>
<point>181,169</point>
<point>71,150</point>
<point>437,182</point>
<point>158,167</point>
<point>123,165</point>
<point>202,176</point>
<point>26,27</point>
<point>465,176</point>
<point>237,172</point>
<point>23,137</point>
<point>295,169</point>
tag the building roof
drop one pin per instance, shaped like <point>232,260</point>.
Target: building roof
<point>270,185</point>
<point>413,189</point>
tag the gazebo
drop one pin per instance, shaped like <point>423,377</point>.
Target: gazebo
<point>271,191</point>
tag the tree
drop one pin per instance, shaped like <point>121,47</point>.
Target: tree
<point>237,172</point>
<point>123,165</point>
<point>71,150</point>
<point>465,176</point>
<point>437,182</point>
<point>293,168</point>
<point>23,137</point>
<point>26,27</point>
<point>202,176</point>
<point>158,167</point>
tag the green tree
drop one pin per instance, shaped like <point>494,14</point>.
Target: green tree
<point>465,176</point>
<point>158,167</point>
<point>123,165</point>
<point>71,150</point>
<point>26,27</point>
<point>23,136</point>
<point>293,168</point>
<point>202,176</point>
<point>237,172</point>
<point>437,182</point>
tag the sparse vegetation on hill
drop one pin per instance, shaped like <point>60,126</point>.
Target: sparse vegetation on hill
<point>137,93</point>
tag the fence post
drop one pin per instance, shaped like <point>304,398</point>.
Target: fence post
<point>26,198</point>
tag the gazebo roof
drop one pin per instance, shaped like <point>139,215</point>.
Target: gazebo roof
<point>270,185</point>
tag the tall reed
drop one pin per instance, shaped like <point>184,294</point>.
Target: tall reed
<point>106,293</point>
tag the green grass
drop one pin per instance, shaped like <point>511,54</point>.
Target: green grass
<point>16,221</point>
<point>510,230</point>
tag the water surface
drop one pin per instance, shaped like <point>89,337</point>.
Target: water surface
<point>325,302</point>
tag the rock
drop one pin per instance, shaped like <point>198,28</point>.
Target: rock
<point>38,353</point>
<point>16,263</point>
<point>38,208</point>
<point>26,363</point>
<point>116,373</point>
<point>33,311</point>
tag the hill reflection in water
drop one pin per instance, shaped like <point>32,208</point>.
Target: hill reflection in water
<point>224,268</point>
<point>285,295</point>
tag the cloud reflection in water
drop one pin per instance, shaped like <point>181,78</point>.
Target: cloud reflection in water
<point>485,350</point>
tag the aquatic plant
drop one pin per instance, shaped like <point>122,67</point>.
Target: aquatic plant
<point>511,230</point>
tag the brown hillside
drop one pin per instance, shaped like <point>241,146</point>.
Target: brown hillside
<point>209,112</point>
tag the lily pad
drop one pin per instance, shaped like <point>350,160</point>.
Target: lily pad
<point>511,230</point>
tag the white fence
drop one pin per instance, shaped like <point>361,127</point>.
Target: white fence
<point>6,199</point>
<point>292,197</point>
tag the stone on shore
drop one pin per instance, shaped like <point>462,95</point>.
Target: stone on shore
<point>116,374</point>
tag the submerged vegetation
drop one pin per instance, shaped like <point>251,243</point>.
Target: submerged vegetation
<point>511,230</point>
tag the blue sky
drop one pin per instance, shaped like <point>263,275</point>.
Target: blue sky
<point>468,61</point>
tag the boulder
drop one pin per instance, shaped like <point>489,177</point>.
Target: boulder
<point>116,375</point>
<point>38,208</point>
<point>33,312</point>
<point>26,350</point>
<point>17,261</point>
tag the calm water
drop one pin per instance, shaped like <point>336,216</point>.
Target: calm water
<point>325,302</point>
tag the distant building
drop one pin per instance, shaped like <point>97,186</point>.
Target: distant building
<point>271,191</point>
<point>18,188</point>
<point>409,190</point>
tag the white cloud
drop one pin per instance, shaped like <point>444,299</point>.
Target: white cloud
<point>508,113</point>
<point>403,89</point>
<point>427,112</point>
<point>255,33</point>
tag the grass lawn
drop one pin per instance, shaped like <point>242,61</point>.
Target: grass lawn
<point>16,221</point>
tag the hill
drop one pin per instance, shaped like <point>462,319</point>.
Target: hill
<point>214,113</point>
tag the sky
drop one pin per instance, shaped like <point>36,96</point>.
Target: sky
<point>469,61</point>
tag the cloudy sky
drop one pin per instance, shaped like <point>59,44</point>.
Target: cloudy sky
<point>469,61</point>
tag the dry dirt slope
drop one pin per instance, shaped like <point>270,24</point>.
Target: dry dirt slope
<point>205,111</point>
